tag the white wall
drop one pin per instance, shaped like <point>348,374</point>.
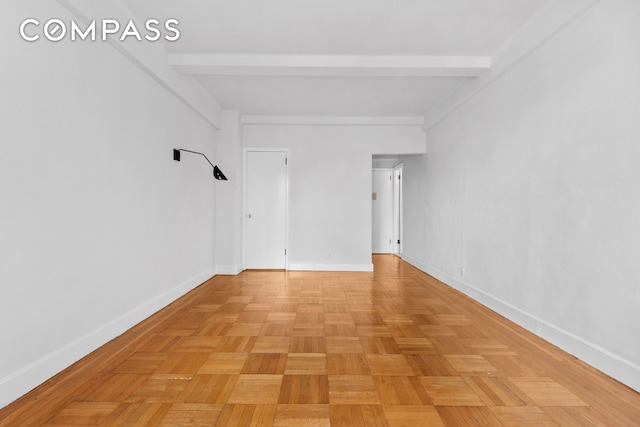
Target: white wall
<point>532,187</point>
<point>330,187</point>
<point>99,226</point>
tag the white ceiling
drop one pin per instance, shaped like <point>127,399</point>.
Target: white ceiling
<point>336,57</point>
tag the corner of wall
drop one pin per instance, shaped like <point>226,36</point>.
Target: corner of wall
<point>152,60</point>
<point>229,270</point>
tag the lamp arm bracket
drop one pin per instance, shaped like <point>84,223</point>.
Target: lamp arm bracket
<point>217,173</point>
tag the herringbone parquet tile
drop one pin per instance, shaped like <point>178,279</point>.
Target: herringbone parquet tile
<point>390,348</point>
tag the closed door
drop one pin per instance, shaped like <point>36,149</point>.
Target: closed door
<point>382,212</point>
<point>266,207</point>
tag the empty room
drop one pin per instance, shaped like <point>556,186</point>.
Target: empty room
<point>320,213</point>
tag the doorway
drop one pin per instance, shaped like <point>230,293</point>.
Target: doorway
<point>386,210</point>
<point>265,216</point>
<point>397,210</point>
<point>382,211</point>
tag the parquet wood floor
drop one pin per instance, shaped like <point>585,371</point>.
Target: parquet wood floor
<point>390,348</point>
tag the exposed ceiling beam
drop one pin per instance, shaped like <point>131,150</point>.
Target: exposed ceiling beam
<point>330,65</point>
<point>332,120</point>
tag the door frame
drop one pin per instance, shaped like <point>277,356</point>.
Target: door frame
<point>390,207</point>
<point>245,171</point>
<point>398,218</point>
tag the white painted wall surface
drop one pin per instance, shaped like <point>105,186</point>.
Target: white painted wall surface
<point>330,187</point>
<point>99,226</point>
<point>532,186</point>
<point>229,195</point>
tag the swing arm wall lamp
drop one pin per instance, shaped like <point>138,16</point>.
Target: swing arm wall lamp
<point>217,173</point>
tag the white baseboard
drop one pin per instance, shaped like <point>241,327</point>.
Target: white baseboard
<point>611,364</point>
<point>30,376</point>
<point>229,270</point>
<point>330,267</point>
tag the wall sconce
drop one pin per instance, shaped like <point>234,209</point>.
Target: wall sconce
<point>217,173</point>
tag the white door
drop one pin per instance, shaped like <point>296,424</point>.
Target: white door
<point>382,212</point>
<point>266,207</point>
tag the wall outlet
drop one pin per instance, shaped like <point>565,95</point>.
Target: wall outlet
<point>462,271</point>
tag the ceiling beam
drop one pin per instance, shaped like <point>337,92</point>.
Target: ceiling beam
<point>330,65</point>
<point>333,120</point>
